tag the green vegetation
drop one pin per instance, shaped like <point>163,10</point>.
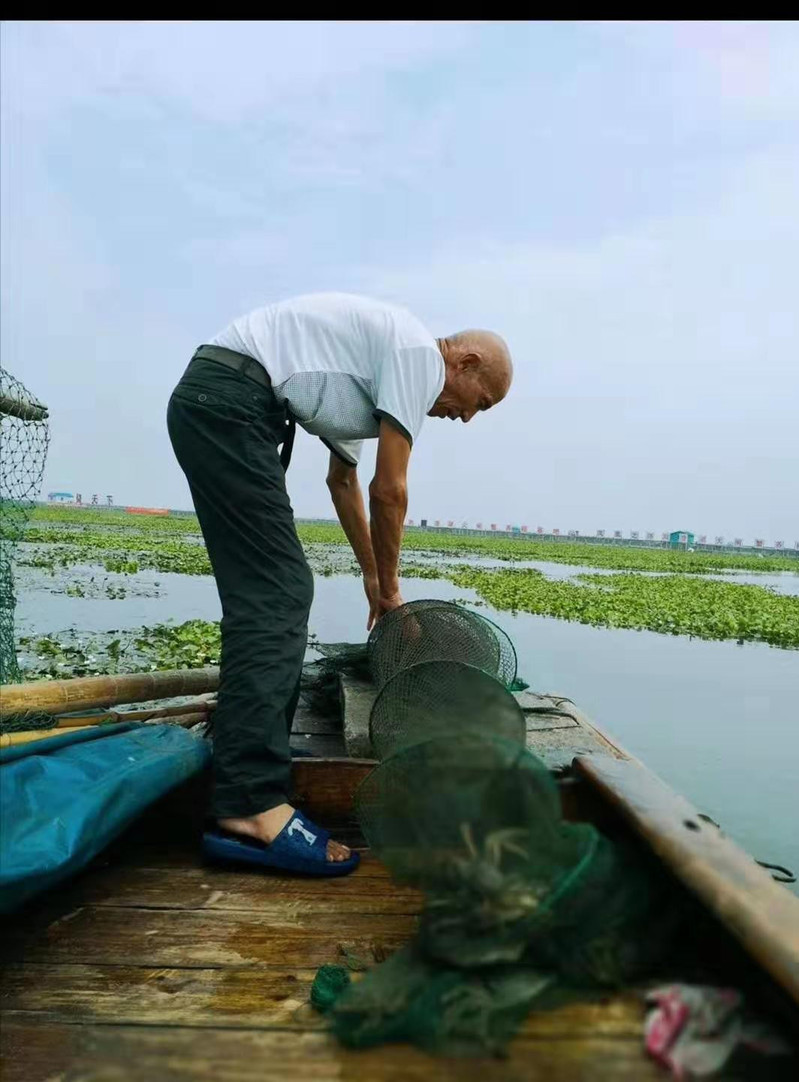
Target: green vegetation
<point>116,518</point>
<point>148,533</point>
<point>671,604</point>
<point>674,600</point>
<point>191,645</point>
<point>611,557</point>
<point>129,551</point>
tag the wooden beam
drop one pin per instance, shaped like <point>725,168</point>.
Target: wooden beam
<point>760,913</point>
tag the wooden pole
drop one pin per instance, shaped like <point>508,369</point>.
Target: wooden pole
<point>204,704</point>
<point>83,693</point>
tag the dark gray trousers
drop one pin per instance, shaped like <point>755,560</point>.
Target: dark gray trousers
<point>225,430</point>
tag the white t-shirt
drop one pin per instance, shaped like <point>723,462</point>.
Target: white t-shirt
<point>341,362</point>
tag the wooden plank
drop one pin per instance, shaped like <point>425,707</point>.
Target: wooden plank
<point>536,723</point>
<point>558,743</point>
<point>559,747</point>
<point>166,874</point>
<point>111,1053</point>
<point>357,698</point>
<point>161,937</point>
<point>325,788</point>
<point>545,711</point>
<point>243,997</point>
<point>760,913</point>
<point>306,721</point>
<point>215,888</point>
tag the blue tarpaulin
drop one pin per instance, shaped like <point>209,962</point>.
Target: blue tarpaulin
<point>63,799</point>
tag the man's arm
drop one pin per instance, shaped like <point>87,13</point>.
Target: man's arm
<point>342,481</point>
<point>388,504</point>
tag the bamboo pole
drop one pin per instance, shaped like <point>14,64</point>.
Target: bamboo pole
<point>8,740</point>
<point>26,411</point>
<point>204,704</point>
<point>27,736</point>
<point>83,693</point>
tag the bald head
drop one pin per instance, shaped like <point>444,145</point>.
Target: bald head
<point>478,374</point>
<point>494,356</point>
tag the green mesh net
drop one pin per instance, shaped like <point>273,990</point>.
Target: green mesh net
<point>24,436</point>
<point>522,909</point>
<point>431,630</point>
<point>443,697</point>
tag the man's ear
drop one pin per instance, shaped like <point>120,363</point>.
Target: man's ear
<point>469,362</point>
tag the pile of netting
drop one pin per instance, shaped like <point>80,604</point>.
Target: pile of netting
<point>24,435</point>
<point>521,908</point>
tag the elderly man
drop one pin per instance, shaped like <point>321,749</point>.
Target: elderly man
<point>345,368</point>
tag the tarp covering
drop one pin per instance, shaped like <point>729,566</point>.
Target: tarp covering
<point>61,805</point>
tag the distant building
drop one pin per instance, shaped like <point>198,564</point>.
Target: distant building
<point>681,539</point>
<point>60,497</point>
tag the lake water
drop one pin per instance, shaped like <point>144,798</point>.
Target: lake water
<point>717,721</point>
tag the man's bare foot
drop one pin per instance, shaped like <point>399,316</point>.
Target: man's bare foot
<point>267,825</point>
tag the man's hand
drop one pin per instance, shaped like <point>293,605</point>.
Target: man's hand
<point>378,606</point>
<point>386,604</point>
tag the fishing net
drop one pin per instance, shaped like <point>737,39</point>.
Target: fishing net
<point>522,909</point>
<point>320,683</point>
<point>24,435</point>
<point>441,698</point>
<point>417,633</point>
<point>431,630</point>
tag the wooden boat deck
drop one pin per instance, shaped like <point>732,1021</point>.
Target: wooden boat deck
<point>150,966</point>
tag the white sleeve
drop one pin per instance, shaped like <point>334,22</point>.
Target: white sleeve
<point>347,450</point>
<point>410,380</point>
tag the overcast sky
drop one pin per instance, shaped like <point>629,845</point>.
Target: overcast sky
<point>620,201</point>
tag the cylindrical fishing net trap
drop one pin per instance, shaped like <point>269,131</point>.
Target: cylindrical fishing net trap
<point>442,698</point>
<point>432,630</point>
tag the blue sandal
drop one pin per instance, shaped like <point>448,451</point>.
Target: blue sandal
<point>300,847</point>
